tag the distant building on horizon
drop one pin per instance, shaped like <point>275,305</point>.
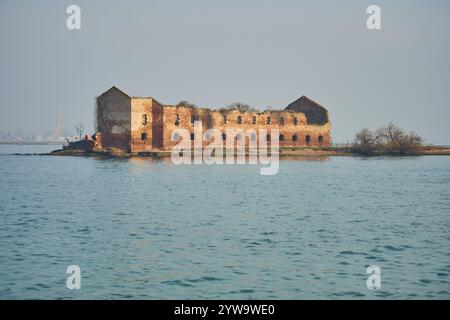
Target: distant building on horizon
<point>57,133</point>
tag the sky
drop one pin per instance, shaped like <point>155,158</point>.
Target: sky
<point>213,53</point>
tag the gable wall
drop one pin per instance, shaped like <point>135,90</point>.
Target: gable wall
<point>113,115</point>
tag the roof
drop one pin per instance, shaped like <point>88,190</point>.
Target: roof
<point>114,88</point>
<point>315,113</point>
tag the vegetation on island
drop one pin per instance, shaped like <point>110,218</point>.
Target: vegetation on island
<point>187,104</point>
<point>387,140</point>
<point>240,106</point>
<point>79,128</point>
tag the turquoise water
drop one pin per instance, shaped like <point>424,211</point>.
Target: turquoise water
<point>149,229</point>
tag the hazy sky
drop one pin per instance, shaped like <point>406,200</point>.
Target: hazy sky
<point>264,53</point>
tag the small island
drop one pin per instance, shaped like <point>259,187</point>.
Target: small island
<point>141,126</point>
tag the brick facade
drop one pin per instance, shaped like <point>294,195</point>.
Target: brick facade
<point>137,124</point>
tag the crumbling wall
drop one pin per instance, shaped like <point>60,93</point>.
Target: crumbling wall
<point>157,125</point>
<point>141,125</point>
<point>114,119</point>
<point>144,125</point>
<point>170,116</point>
<point>292,126</point>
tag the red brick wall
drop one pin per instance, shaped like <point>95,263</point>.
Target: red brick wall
<point>215,119</point>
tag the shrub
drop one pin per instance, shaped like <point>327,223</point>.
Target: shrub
<point>242,107</point>
<point>184,103</point>
<point>389,139</point>
<point>366,142</point>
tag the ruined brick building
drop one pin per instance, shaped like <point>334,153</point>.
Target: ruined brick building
<point>142,124</point>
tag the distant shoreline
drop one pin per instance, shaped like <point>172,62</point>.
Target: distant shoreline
<point>32,143</point>
<point>285,152</point>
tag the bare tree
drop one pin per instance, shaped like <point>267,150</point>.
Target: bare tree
<point>366,142</point>
<point>80,130</point>
<point>389,139</point>
<point>395,141</point>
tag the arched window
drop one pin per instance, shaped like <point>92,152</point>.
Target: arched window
<point>281,138</point>
<point>320,140</point>
<point>177,120</point>
<point>254,120</point>
<point>176,136</point>
<point>143,136</point>
<point>308,139</point>
<point>224,136</point>
<point>295,121</point>
<point>225,119</point>
<point>239,119</point>
<point>192,136</point>
<point>269,121</point>
<point>294,137</point>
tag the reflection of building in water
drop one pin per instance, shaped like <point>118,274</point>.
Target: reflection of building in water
<point>142,124</point>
